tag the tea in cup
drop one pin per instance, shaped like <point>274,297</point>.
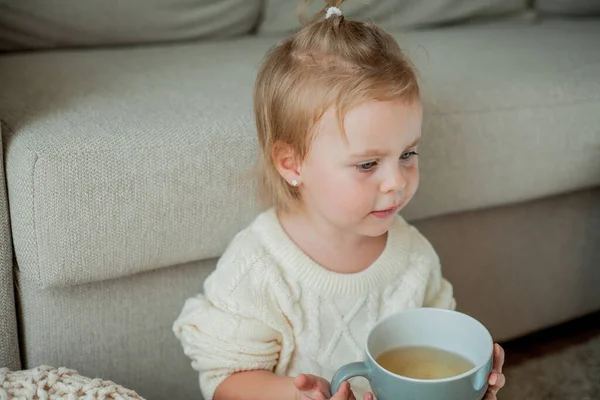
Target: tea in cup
<point>425,354</point>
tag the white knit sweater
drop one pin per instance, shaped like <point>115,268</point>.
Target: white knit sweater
<point>269,306</point>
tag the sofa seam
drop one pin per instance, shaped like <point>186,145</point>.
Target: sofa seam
<point>33,208</point>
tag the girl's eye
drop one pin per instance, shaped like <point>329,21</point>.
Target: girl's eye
<point>366,167</point>
<point>408,155</point>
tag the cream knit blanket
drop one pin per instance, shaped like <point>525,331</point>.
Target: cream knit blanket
<point>48,383</point>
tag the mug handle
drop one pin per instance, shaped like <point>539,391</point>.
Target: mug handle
<point>349,371</point>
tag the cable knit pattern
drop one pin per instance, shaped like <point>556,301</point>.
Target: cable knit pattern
<point>269,306</point>
<point>48,383</point>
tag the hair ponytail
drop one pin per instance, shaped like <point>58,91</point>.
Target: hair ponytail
<point>304,8</point>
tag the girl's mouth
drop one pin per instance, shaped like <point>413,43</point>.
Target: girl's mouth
<point>388,212</point>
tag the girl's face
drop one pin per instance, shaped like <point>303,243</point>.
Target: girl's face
<point>359,182</point>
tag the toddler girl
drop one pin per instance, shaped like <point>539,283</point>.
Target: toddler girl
<point>293,298</point>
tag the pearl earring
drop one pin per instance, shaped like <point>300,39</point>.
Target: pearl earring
<point>295,182</point>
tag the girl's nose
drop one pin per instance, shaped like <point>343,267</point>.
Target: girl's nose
<point>394,181</point>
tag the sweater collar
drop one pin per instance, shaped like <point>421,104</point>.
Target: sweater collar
<point>309,273</point>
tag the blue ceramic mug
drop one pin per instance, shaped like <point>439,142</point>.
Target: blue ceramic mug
<point>430,327</point>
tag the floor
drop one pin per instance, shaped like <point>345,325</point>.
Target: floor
<point>561,363</point>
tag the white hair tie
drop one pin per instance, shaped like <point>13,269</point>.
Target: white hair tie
<point>333,11</point>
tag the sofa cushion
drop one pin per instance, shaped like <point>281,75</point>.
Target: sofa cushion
<point>569,7</point>
<point>281,16</point>
<point>122,161</point>
<point>36,24</point>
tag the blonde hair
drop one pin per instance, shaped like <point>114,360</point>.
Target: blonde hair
<point>333,62</point>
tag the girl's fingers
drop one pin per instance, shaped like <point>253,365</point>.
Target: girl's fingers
<point>305,382</point>
<point>369,396</point>
<point>497,380</point>
<point>344,393</point>
<point>339,395</point>
<point>498,358</point>
<point>346,390</point>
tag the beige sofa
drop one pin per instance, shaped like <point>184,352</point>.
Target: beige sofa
<point>128,138</point>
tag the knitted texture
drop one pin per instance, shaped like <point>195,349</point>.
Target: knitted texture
<point>269,306</point>
<point>48,383</point>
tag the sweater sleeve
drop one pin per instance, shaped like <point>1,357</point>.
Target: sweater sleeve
<point>439,292</point>
<point>230,328</point>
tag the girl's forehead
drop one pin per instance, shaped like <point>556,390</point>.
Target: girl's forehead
<point>373,124</point>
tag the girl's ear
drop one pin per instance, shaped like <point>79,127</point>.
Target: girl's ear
<point>287,162</point>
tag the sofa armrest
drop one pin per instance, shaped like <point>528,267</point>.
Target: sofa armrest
<point>9,344</point>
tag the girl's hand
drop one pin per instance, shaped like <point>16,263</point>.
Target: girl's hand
<point>496,379</point>
<point>312,387</point>
<point>344,393</point>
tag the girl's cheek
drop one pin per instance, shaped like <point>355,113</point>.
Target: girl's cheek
<point>413,171</point>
